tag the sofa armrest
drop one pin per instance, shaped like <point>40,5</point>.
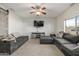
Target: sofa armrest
<point>77,47</point>
<point>76,50</point>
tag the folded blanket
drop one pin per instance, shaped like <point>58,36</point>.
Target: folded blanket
<point>12,39</point>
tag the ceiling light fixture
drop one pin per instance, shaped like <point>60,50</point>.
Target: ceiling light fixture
<point>38,10</point>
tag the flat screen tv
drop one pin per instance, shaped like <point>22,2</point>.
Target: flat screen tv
<point>38,23</point>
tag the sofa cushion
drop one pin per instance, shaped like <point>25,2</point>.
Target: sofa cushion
<point>65,34</point>
<point>46,38</point>
<point>63,41</point>
<point>59,35</point>
<point>71,38</point>
<point>70,46</point>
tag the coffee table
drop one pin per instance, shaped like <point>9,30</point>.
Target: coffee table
<point>46,40</point>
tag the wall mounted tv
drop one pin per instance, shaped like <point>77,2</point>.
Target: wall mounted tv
<point>38,23</point>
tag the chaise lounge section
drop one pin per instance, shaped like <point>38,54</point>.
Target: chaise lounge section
<point>68,44</point>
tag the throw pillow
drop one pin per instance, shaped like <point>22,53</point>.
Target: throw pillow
<point>16,34</point>
<point>59,35</point>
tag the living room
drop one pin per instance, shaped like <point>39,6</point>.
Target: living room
<point>26,31</point>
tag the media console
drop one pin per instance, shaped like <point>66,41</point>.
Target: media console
<point>37,34</point>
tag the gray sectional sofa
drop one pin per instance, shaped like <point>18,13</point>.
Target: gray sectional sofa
<point>68,44</point>
<point>11,46</point>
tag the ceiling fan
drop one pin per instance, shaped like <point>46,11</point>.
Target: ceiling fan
<point>38,10</point>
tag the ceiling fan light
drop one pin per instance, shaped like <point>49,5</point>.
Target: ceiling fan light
<point>38,13</point>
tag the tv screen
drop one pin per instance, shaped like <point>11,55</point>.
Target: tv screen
<point>38,23</point>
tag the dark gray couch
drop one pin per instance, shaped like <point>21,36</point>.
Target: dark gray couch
<point>10,46</point>
<point>68,44</point>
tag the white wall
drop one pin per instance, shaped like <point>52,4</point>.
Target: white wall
<point>26,26</point>
<point>14,23</point>
<point>69,13</point>
<point>48,26</point>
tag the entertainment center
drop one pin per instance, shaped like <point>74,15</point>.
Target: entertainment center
<point>37,34</point>
<point>38,24</point>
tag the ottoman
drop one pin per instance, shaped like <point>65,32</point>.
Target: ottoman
<point>46,40</point>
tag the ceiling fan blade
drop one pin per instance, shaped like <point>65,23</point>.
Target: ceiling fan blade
<point>32,12</point>
<point>33,7</point>
<point>43,13</point>
<point>43,8</point>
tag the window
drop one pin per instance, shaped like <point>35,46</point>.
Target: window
<point>70,24</point>
<point>77,21</point>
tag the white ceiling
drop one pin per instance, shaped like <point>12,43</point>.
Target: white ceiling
<point>23,9</point>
